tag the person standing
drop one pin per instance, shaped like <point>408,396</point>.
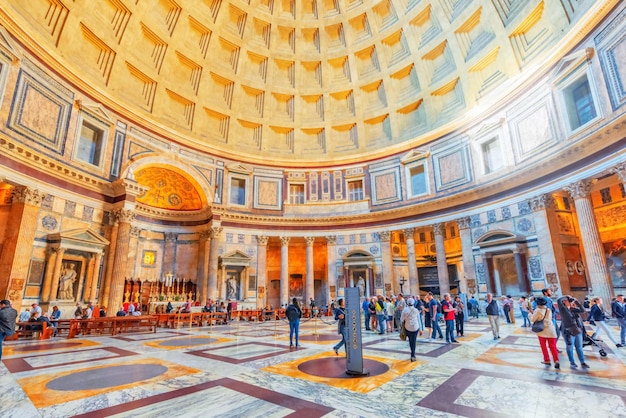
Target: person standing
<point>8,316</point>
<point>493,315</point>
<point>597,315</point>
<point>293,314</point>
<point>400,305</point>
<point>459,315</point>
<point>340,317</point>
<point>473,303</point>
<point>547,294</point>
<point>619,313</point>
<point>381,314</point>
<point>366,313</point>
<point>524,309</point>
<point>410,319</point>
<point>572,329</point>
<point>448,315</point>
<point>547,337</point>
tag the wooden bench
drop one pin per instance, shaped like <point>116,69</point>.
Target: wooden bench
<point>112,325</point>
<point>41,331</point>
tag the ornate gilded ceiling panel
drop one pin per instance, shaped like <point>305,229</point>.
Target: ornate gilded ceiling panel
<point>168,189</point>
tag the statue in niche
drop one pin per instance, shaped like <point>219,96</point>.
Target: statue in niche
<point>361,285</point>
<point>231,288</point>
<point>66,281</point>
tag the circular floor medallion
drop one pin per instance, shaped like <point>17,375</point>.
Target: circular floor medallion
<point>335,367</point>
<point>183,342</point>
<point>106,377</point>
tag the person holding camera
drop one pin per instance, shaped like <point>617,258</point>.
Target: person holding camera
<point>572,329</point>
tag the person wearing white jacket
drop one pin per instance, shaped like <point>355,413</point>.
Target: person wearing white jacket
<point>548,335</point>
<point>410,319</point>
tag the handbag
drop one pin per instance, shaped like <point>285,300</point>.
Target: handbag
<point>574,330</point>
<point>403,332</point>
<point>538,325</point>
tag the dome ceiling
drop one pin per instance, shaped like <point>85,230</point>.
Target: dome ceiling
<point>286,80</point>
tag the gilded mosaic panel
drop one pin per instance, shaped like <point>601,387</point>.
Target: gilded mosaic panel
<point>167,189</point>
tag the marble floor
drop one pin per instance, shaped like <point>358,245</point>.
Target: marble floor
<point>248,369</point>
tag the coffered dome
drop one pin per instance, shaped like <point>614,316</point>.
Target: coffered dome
<point>297,82</point>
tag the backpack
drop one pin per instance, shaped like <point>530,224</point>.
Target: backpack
<point>292,313</point>
<point>439,307</point>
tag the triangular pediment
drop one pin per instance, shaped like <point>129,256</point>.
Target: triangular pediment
<point>235,258</point>
<point>7,46</point>
<point>415,155</point>
<point>570,64</point>
<point>239,168</point>
<point>236,255</point>
<point>79,239</point>
<point>96,110</point>
<point>499,237</point>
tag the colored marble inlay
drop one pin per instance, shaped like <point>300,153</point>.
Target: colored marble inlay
<point>176,343</point>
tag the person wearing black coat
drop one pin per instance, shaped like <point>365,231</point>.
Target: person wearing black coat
<point>572,329</point>
<point>597,315</point>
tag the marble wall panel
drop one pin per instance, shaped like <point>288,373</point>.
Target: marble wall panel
<point>611,45</point>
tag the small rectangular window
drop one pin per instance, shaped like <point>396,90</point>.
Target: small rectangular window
<point>296,194</point>
<point>606,195</point>
<point>418,180</point>
<point>579,102</point>
<point>422,237</point>
<point>622,189</point>
<point>492,156</point>
<point>566,203</point>
<point>355,190</point>
<point>238,191</point>
<point>90,144</point>
<point>452,232</point>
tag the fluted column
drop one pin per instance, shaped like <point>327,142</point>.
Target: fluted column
<point>56,274</point>
<point>261,270</point>
<point>216,231</point>
<point>549,240</point>
<point>284,270</point>
<point>595,260</point>
<point>93,293</point>
<point>116,293</point>
<point>110,261</point>
<point>310,278</point>
<point>85,281</point>
<point>169,253</point>
<point>469,268</point>
<point>521,270</point>
<point>49,275</point>
<point>203,265</point>
<point>133,247</point>
<point>21,226</point>
<point>414,286</point>
<point>387,260</point>
<point>331,292</point>
<point>442,262</point>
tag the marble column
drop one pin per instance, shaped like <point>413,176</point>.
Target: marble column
<point>110,262</point>
<point>521,270</point>
<point>490,274</point>
<point>85,282</point>
<point>595,259</point>
<point>49,275</point>
<point>284,270</point>
<point>442,262</point>
<point>116,293</point>
<point>133,248</point>
<point>331,243</point>
<point>387,262</point>
<point>549,240</point>
<point>56,274</point>
<point>413,283</point>
<point>216,232</point>
<point>204,243</point>
<point>19,236</point>
<point>94,279</point>
<point>310,278</point>
<point>169,253</point>
<point>469,267</point>
<point>261,272</point>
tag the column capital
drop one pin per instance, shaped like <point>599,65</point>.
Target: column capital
<point>385,236</point>
<point>438,228</point>
<point>544,201</point>
<point>408,232</point>
<point>135,231</point>
<point>216,231</point>
<point>262,239</point>
<point>309,241</point>
<point>464,222</point>
<point>124,215</point>
<point>620,170</point>
<point>170,236</point>
<point>284,241</point>
<point>57,250</point>
<point>25,194</point>
<point>331,239</point>
<point>579,189</point>
<point>205,234</point>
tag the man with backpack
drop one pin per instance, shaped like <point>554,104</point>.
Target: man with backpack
<point>293,314</point>
<point>8,315</point>
<point>436,311</point>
